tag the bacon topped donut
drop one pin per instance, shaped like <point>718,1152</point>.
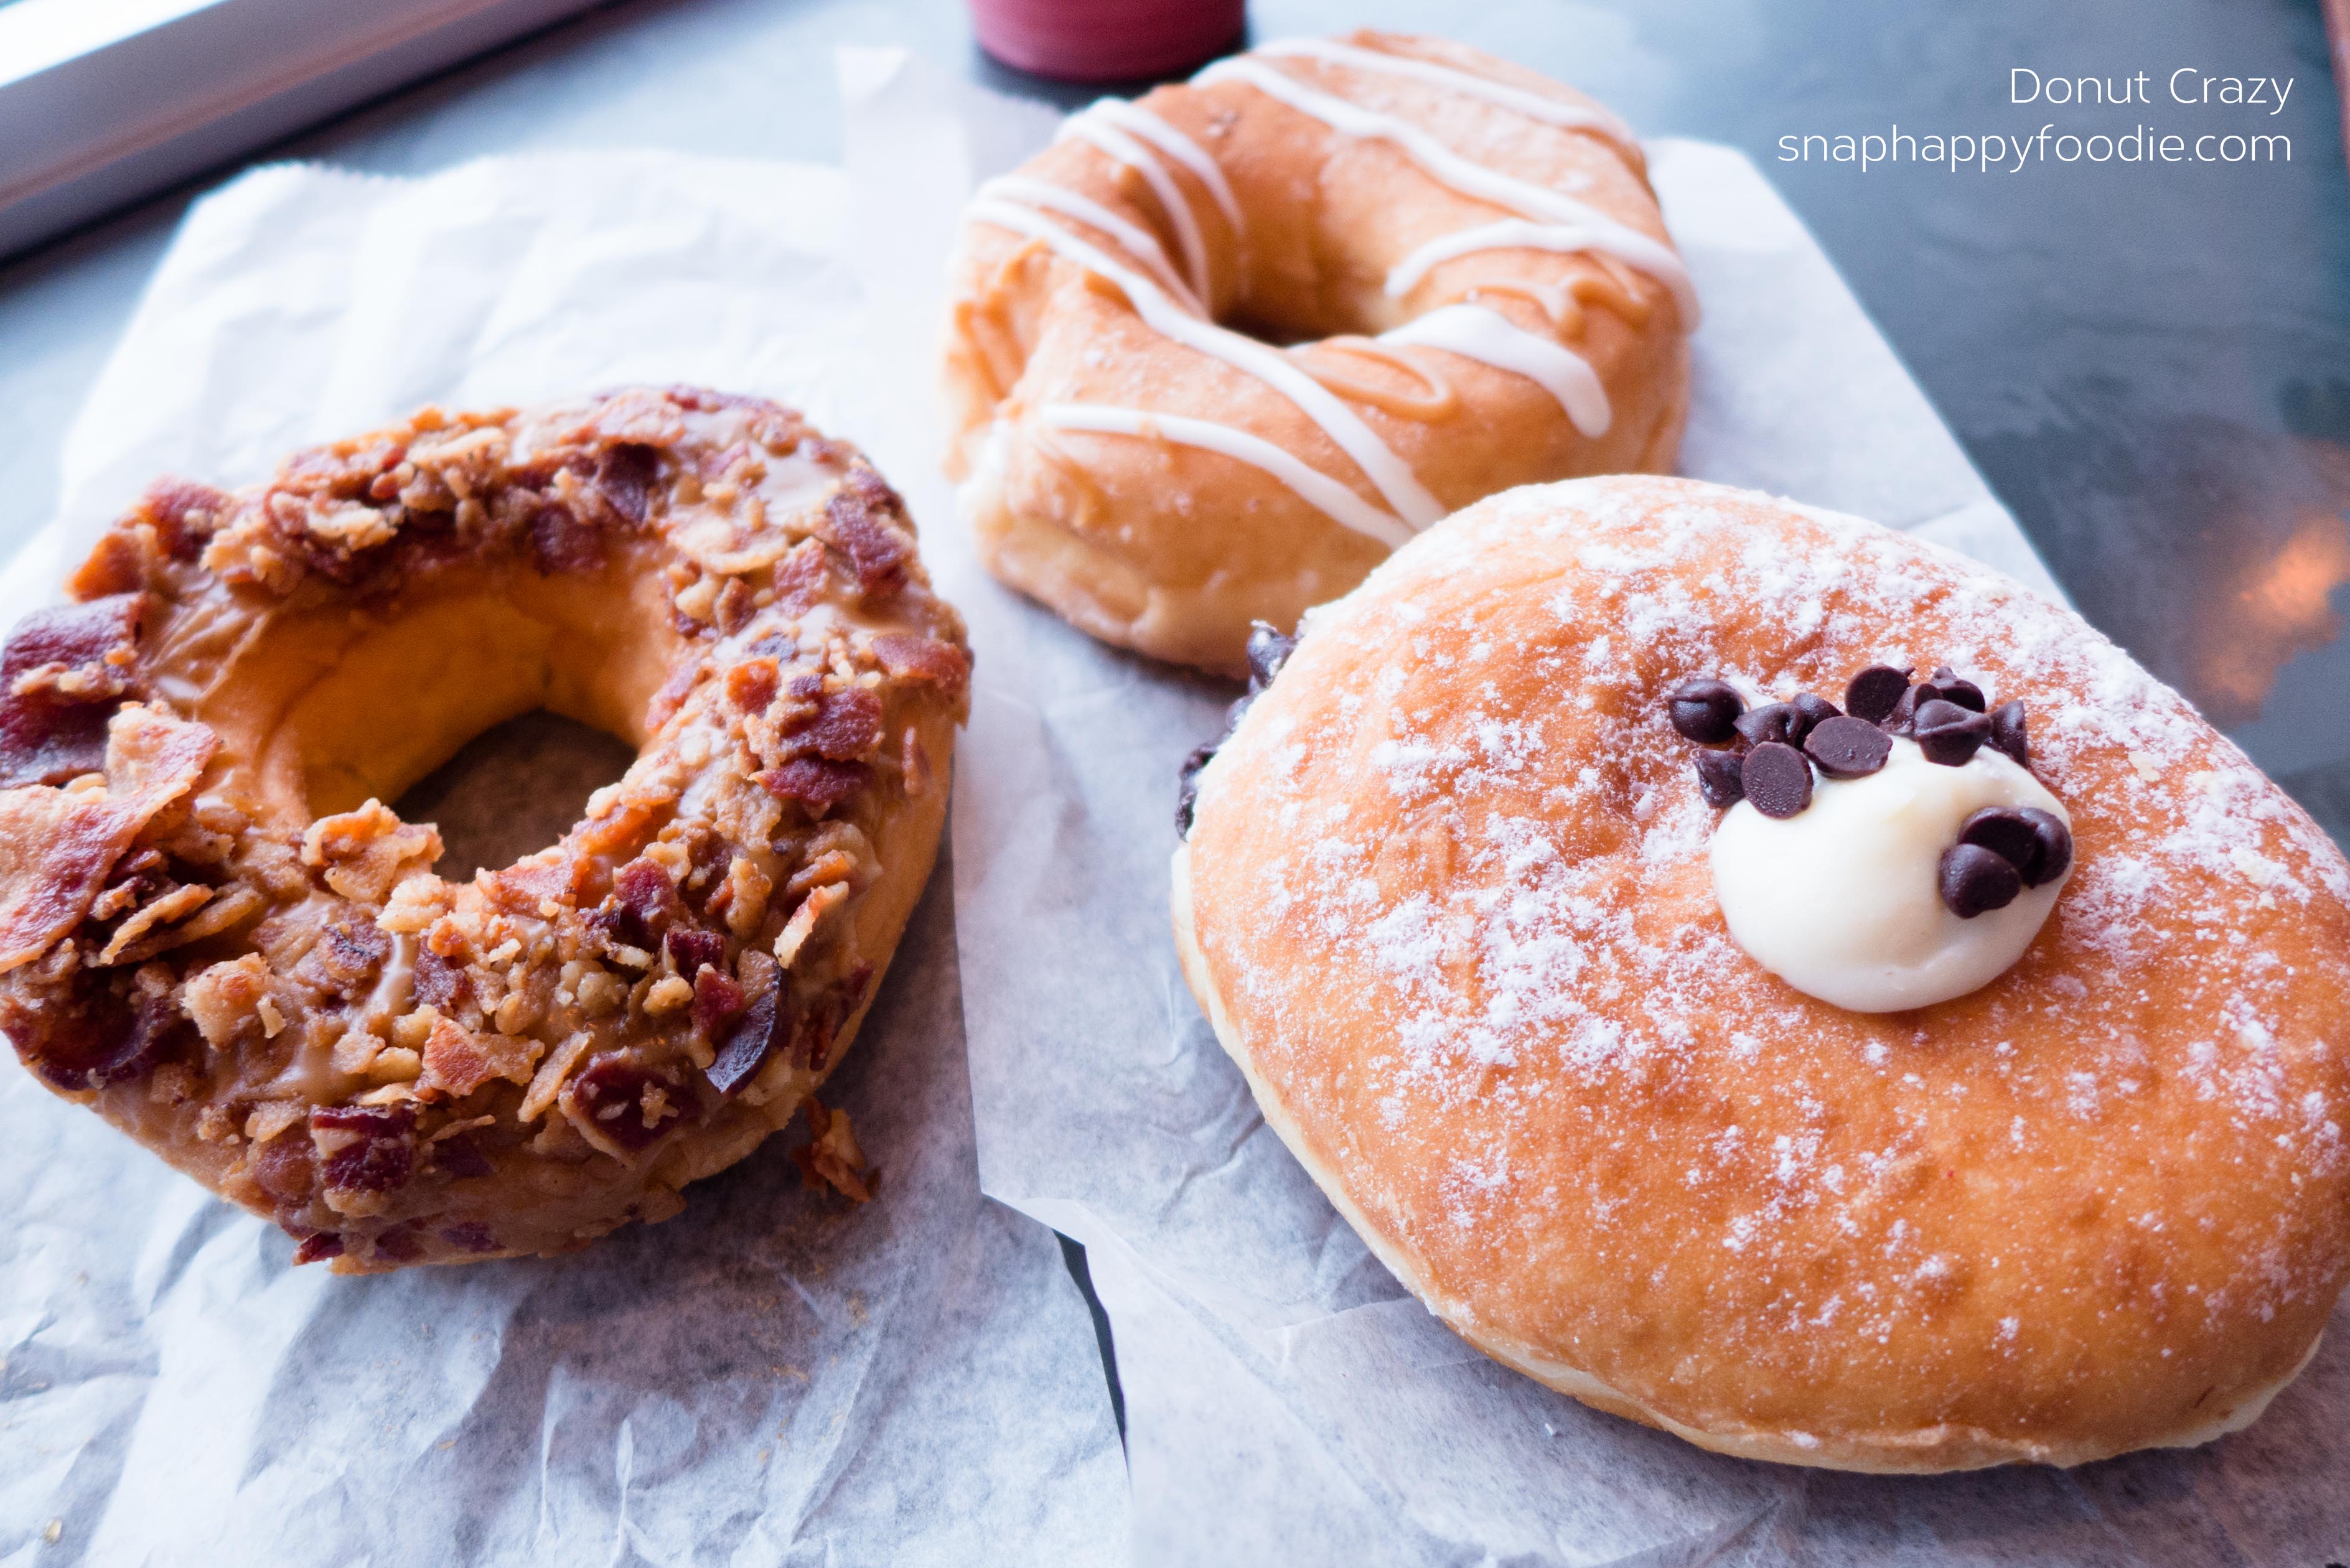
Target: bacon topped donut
<point>1467,262</point>
<point>213,932</point>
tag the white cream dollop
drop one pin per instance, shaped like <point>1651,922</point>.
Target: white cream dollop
<point>1843,900</point>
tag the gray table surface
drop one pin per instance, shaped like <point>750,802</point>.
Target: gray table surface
<point>2150,364</point>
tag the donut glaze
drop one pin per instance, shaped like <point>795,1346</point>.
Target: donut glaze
<point>1446,900</point>
<point>214,933</point>
<point>1466,258</point>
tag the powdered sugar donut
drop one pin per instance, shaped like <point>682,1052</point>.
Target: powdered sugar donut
<point>1448,900</point>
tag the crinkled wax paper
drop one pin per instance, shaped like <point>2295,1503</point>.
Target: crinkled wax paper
<point>1285,1400</point>
<point>773,1376</point>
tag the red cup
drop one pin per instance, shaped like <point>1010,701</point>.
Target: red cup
<point>1106,40</point>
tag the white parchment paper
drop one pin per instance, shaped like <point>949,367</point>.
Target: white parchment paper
<point>1286,1402</point>
<point>773,1376</point>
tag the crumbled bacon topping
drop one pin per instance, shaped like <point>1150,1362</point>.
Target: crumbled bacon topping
<point>751,685</point>
<point>846,726</point>
<point>58,847</point>
<point>94,1035</point>
<point>867,520</point>
<point>60,677</point>
<point>344,959</point>
<point>625,477</point>
<point>459,1155</point>
<point>691,949</point>
<point>815,783</point>
<point>458,1060</point>
<point>640,906</point>
<point>942,664</point>
<point>560,542</point>
<point>184,514</point>
<point>287,1165</point>
<point>319,1246</point>
<point>363,1149</point>
<point>440,984</point>
<point>830,1157</point>
<point>371,1054</point>
<point>717,1001</point>
<point>617,1103</point>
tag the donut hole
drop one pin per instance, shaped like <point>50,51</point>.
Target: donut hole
<point>1318,269</point>
<point>325,708</point>
<point>512,790</point>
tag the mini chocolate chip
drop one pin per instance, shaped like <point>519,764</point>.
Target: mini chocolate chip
<point>1816,710</point>
<point>1777,779</point>
<point>1706,710</point>
<point>1975,880</point>
<point>1718,776</point>
<point>1948,733</point>
<point>1904,717</point>
<point>1187,785</point>
<point>2002,830</point>
<point>1848,748</point>
<point>2007,732</point>
<point>2036,842</point>
<point>1773,722</point>
<point>1268,651</point>
<point>2056,843</point>
<point>1873,691</point>
<point>1950,689</point>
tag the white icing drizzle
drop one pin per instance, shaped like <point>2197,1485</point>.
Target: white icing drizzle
<point>1095,128</point>
<point>1534,106</point>
<point>1486,336</point>
<point>1595,229</point>
<point>1386,472</point>
<point>1139,241</point>
<point>1332,500</point>
<point>1139,120</point>
<point>1515,233</point>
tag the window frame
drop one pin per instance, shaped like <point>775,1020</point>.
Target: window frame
<point>103,103</point>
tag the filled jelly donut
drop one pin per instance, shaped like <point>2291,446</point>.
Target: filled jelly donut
<point>214,933</point>
<point>1711,1016</point>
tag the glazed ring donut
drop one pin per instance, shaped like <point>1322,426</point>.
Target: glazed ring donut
<point>213,933</point>
<point>1466,255</point>
<point>1446,901</point>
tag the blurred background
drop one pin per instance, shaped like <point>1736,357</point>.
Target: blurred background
<point>2149,363</point>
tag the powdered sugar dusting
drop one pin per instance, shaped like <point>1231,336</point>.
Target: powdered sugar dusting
<point>1495,988</point>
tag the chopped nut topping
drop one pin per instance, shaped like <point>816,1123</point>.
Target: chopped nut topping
<point>549,1081</point>
<point>273,1117</point>
<point>749,889</point>
<point>226,998</point>
<point>801,927</point>
<point>364,851</point>
<point>457,1061</point>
